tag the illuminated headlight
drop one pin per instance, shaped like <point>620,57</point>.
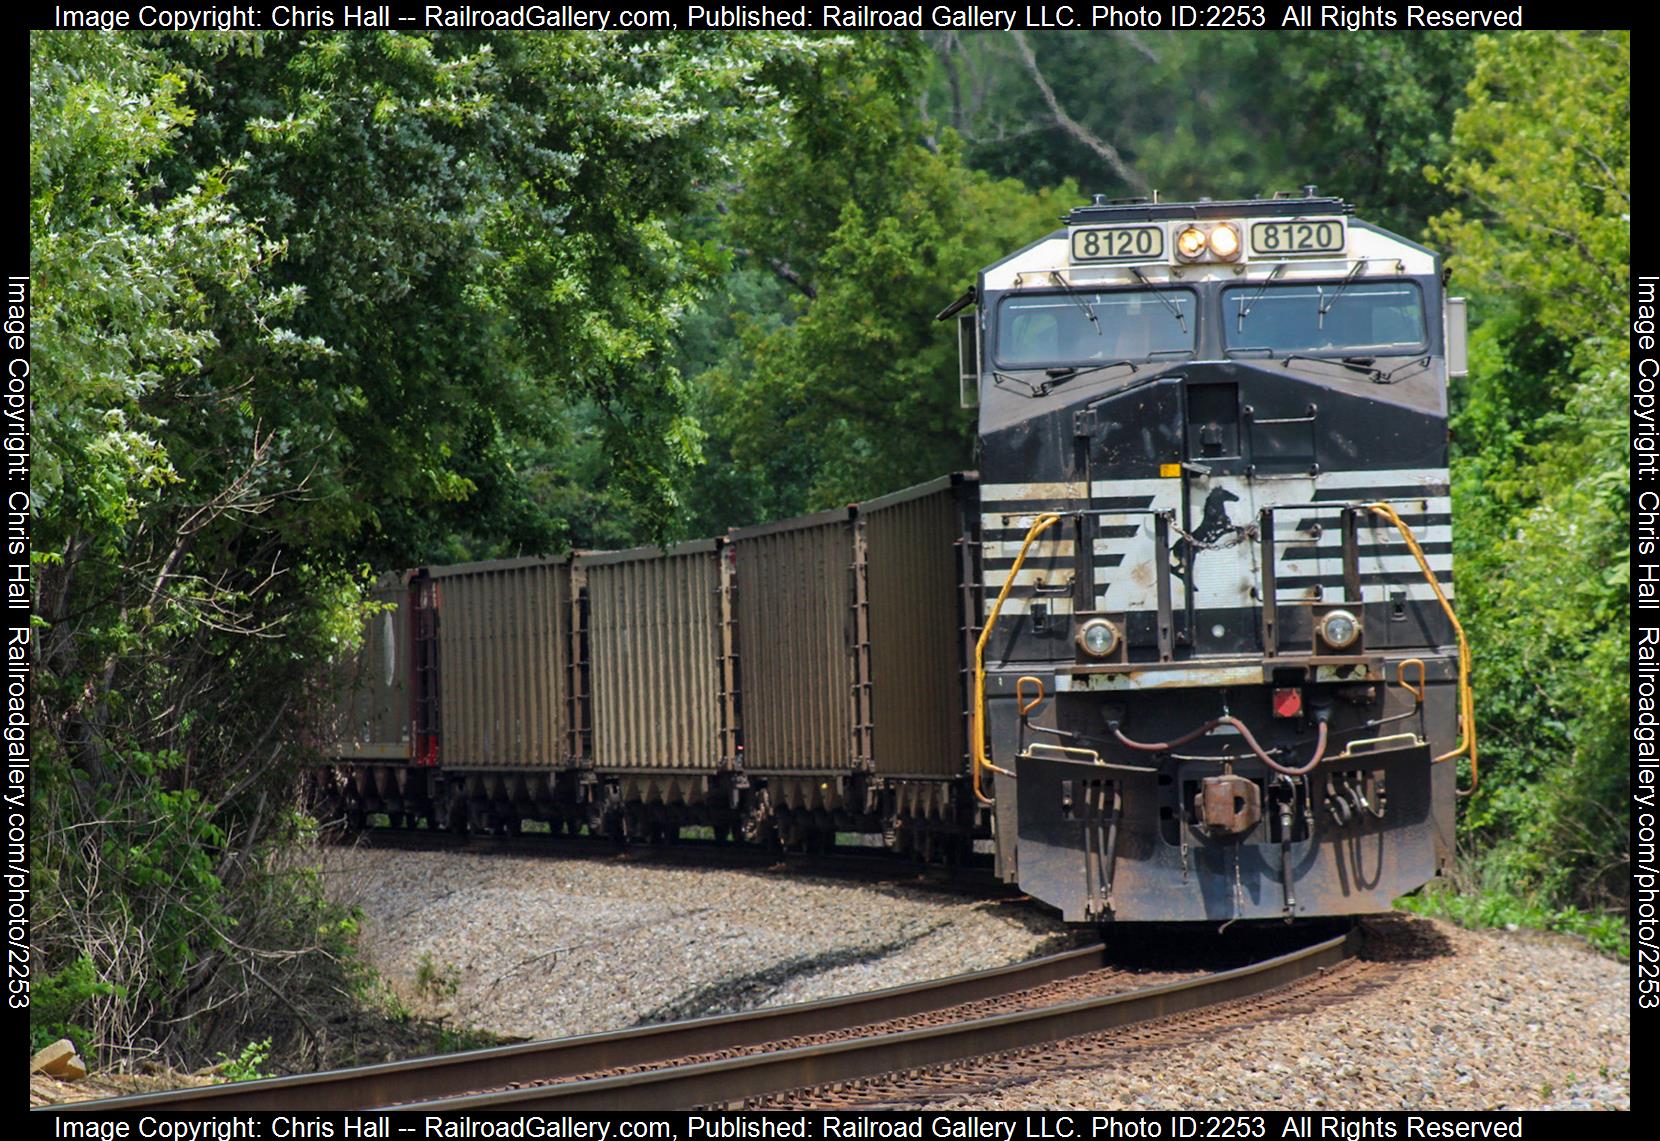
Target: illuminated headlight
<point>1224,242</point>
<point>1190,244</point>
<point>1098,637</point>
<point>1339,629</point>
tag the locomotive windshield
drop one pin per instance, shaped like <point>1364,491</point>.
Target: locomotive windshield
<point>1384,317</point>
<point>1080,326</point>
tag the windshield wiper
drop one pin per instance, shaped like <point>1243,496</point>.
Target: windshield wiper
<point>1159,293</point>
<point>1032,391</point>
<point>1325,307</point>
<point>1245,309</point>
<point>1389,377</point>
<point>1072,292</point>
<point>1059,376</point>
<point>1361,365</point>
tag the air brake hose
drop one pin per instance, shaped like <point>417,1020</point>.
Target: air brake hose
<point>1245,732</point>
<point>977,730</point>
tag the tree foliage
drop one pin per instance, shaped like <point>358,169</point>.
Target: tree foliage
<point>482,230</point>
<point>841,386</point>
<point>307,303</point>
<point>174,634</point>
<point>1218,114</point>
<point>1542,159</point>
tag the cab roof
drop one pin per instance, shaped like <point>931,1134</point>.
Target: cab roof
<point>1141,210</point>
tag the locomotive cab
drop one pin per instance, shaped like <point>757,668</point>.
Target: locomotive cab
<point>1220,674</point>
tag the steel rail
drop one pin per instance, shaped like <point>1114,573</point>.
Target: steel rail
<point>395,1083</point>
<point>731,1080</point>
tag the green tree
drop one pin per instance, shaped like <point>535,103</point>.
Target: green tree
<point>838,384</point>
<point>482,232</point>
<point>162,685</point>
<point>1218,114</point>
<point>305,303</point>
<point>1542,166</point>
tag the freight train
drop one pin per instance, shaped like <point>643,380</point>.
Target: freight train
<point>1182,649</point>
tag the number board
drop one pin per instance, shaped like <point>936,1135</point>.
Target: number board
<point>1298,237</point>
<point>1118,243</point>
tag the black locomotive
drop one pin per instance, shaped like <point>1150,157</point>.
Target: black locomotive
<point>1222,674</point>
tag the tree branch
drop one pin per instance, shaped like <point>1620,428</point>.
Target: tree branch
<point>783,270</point>
<point>1074,128</point>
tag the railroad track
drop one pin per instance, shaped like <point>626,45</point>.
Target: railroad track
<point>951,1083</point>
<point>779,1051</point>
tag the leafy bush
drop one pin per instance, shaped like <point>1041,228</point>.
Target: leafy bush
<point>246,1066</point>
<point>58,1002</point>
<point>1605,931</point>
<point>435,982</point>
<point>1542,155</point>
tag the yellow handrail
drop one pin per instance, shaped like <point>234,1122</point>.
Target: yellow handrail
<point>1466,696</point>
<point>1020,685</point>
<point>977,729</point>
<point>1400,678</point>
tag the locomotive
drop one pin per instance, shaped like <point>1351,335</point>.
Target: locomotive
<point>1182,649</point>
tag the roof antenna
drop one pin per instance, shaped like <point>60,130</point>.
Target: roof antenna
<point>1155,196</point>
<point>1309,190</point>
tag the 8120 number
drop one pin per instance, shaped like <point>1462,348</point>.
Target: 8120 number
<point>1291,238</point>
<point>1118,243</point>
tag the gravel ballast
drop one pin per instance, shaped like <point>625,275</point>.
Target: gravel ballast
<point>554,946</point>
<point>547,947</point>
<point>1493,1020</point>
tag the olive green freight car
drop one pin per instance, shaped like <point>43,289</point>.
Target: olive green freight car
<point>370,743</point>
<point>371,719</point>
<point>851,644</point>
<point>792,679</point>
<point>917,551</point>
<point>795,615</point>
<point>502,635</point>
<point>651,638</point>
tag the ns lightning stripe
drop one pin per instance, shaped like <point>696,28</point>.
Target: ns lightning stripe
<point>1224,556</point>
<point>1008,549</point>
<point>1028,576</point>
<point>1026,492</point>
<point>1404,483</point>
<point>1013,606</point>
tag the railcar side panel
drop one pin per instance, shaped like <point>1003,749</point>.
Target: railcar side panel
<point>795,613</point>
<point>502,649</point>
<point>913,556</point>
<point>654,654</point>
<point>372,717</point>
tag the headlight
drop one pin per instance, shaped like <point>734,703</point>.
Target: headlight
<point>1098,637</point>
<point>1190,243</point>
<point>1339,629</point>
<point>1224,242</point>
